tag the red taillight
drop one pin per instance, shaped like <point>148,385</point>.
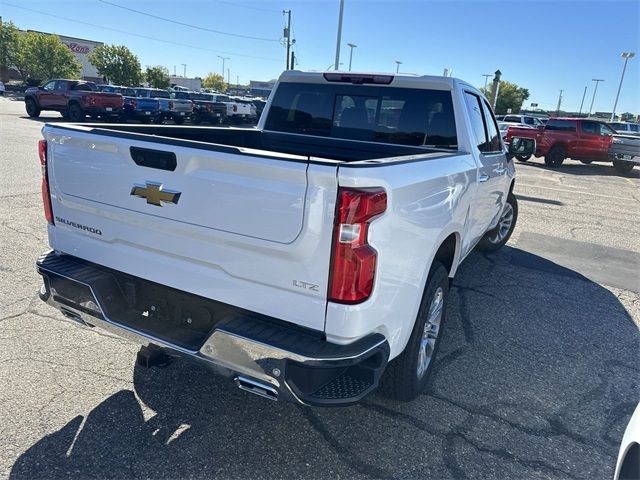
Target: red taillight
<point>46,197</point>
<point>353,261</point>
<point>92,100</point>
<point>134,103</point>
<point>235,107</point>
<point>170,105</point>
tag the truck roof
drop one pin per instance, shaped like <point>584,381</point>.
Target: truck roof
<point>406,80</point>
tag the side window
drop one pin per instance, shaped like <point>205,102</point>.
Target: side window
<point>477,124</point>
<point>61,85</point>
<point>591,128</point>
<point>512,118</point>
<point>563,125</point>
<point>529,120</point>
<point>49,86</point>
<point>634,127</point>
<point>495,145</point>
<point>605,130</point>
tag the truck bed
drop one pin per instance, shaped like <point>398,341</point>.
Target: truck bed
<point>321,149</point>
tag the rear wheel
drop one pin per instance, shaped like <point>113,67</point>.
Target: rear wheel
<point>75,113</point>
<point>586,162</point>
<point>555,156</point>
<point>523,158</point>
<point>495,238</point>
<point>407,376</point>
<point>196,119</point>
<point>178,120</point>
<point>622,167</point>
<point>32,108</point>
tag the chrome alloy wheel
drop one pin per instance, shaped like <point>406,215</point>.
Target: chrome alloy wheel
<point>504,225</point>
<point>430,332</point>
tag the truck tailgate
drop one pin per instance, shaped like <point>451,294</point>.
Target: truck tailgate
<point>240,226</point>
<point>104,100</point>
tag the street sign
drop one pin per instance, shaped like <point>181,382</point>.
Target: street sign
<point>534,104</point>
<point>508,110</point>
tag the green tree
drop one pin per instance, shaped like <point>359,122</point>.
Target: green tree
<point>41,56</point>
<point>9,47</point>
<point>215,81</point>
<point>158,77</point>
<point>117,63</point>
<point>510,96</point>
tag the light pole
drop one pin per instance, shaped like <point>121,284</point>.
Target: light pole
<point>559,103</point>
<point>184,66</point>
<point>597,80</point>
<point>582,103</point>
<point>223,60</point>
<point>398,63</point>
<point>228,77</point>
<point>626,56</point>
<point>486,80</point>
<point>351,46</point>
<point>339,39</point>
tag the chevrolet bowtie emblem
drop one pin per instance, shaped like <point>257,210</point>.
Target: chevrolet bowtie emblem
<point>155,193</point>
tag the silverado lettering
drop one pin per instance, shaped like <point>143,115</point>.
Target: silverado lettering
<point>97,231</point>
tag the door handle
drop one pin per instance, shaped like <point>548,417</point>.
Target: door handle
<point>500,170</point>
<point>483,178</point>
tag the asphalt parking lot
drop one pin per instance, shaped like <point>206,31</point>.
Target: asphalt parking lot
<point>537,375</point>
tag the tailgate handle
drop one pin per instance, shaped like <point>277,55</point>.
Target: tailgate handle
<point>145,157</point>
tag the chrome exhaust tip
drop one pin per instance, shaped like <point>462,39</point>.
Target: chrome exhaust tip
<point>257,388</point>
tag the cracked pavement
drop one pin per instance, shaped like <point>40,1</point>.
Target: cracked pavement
<point>536,377</point>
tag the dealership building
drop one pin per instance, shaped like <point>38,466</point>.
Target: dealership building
<point>81,48</point>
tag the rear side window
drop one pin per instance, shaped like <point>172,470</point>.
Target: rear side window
<point>634,127</point>
<point>512,118</point>
<point>493,134</point>
<point>378,114</point>
<point>529,120</point>
<point>477,123</point>
<point>561,125</point>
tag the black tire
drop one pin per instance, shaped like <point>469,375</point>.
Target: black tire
<point>401,379</point>
<point>145,120</point>
<point>622,167</point>
<point>159,120</point>
<point>196,119</point>
<point>32,107</point>
<point>523,158</point>
<point>555,156</point>
<point>495,238</point>
<point>586,162</point>
<point>75,113</point>
<point>178,120</point>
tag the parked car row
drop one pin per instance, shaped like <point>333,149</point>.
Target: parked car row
<point>580,139</point>
<point>76,100</point>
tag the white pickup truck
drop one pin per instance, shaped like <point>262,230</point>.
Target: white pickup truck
<point>308,259</point>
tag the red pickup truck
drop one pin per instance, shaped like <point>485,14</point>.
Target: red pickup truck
<point>575,138</point>
<point>74,99</point>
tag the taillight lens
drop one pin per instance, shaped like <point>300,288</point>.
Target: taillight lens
<point>235,107</point>
<point>92,100</point>
<point>134,103</point>
<point>46,196</point>
<point>170,105</point>
<point>353,261</point>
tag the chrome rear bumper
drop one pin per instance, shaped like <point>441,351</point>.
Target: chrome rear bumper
<point>290,364</point>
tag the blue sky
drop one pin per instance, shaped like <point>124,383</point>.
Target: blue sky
<point>542,45</point>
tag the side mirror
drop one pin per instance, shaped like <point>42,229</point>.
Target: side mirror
<point>521,147</point>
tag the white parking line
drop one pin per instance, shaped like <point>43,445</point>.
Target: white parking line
<point>574,192</point>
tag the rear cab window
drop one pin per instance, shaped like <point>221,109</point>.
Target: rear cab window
<point>417,117</point>
<point>561,125</point>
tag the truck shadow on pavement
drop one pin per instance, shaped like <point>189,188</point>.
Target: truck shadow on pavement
<point>536,377</point>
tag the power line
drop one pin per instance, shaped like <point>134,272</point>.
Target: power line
<point>197,27</point>
<point>146,37</point>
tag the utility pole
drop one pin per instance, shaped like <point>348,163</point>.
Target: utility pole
<point>486,79</point>
<point>237,81</point>
<point>582,103</point>
<point>626,56</point>
<point>223,60</point>
<point>559,103</point>
<point>496,89</point>
<point>174,71</point>
<point>398,63</point>
<point>184,66</point>
<point>293,59</point>
<point>287,36</point>
<point>339,39</point>
<point>597,80</point>
<point>351,46</point>
<point>228,77</point>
